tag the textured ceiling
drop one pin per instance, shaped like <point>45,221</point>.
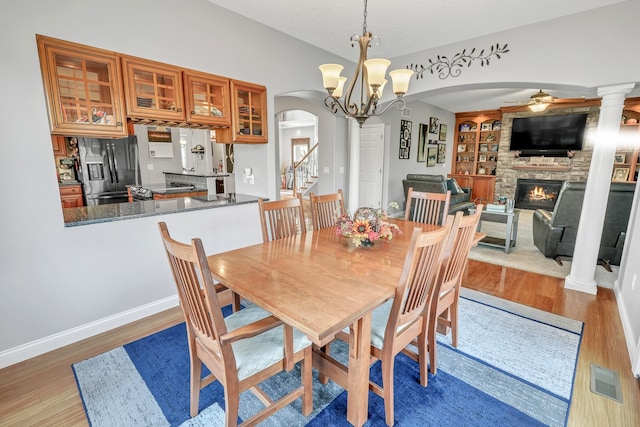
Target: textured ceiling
<point>406,26</point>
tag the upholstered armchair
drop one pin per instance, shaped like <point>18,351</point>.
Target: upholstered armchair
<point>554,233</point>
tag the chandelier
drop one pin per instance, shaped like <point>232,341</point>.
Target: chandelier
<point>369,79</point>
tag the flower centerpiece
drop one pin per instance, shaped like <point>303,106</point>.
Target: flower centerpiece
<point>366,226</point>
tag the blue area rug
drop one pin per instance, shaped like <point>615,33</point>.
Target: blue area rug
<point>514,366</point>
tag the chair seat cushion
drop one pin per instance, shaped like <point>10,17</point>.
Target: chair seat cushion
<point>379,319</point>
<point>256,353</point>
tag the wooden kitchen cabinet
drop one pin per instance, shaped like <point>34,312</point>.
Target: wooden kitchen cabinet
<point>249,106</point>
<point>59,146</point>
<point>153,90</point>
<point>83,88</point>
<point>207,99</point>
<point>71,196</point>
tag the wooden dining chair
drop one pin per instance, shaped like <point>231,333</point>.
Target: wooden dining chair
<point>399,321</point>
<point>241,350</point>
<point>325,209</point>
<point>444,304</point>
<point>429,208</point>
<point>281,218</point>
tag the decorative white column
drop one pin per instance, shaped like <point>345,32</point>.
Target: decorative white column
<point>354,166</point>
<point>585,255</point>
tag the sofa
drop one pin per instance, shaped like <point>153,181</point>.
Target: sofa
<point>554,233</point>
<point>460,197</point>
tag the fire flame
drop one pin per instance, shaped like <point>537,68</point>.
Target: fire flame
<point>538,193</point>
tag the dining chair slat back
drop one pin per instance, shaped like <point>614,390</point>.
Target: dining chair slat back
<point>210,337</point>
<point>399,321</point>
<point>325,209</point>
<point>281,218</point>
<point>428,208</point>
<point>444,305</point>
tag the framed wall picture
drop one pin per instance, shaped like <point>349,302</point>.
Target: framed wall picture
<point>421,154</point>
<point>432,156</point>
<point>620,174</point>
<point>619,158</point>
<point>442,152</point>
<point>423,131</point>
<point>405,139</point>
<point>483,147</point>
<point>482,158</point>
<point>433,124</point>
<point>443,133</point>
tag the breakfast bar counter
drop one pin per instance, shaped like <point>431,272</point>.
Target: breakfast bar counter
<point>121,211</point>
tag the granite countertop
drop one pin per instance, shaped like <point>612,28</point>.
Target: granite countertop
<point>139,209</point>
<point>198,175</point>
<point>163,188</point>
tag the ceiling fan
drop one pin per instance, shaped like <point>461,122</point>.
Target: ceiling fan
<point>540,100</point>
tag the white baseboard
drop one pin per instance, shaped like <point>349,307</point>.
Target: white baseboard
<point>633,347</point>
<point>70,336</point>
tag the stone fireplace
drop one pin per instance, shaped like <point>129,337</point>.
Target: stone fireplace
<point>510,169</point>
<point>537,193</point>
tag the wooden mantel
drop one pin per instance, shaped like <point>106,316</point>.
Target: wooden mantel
<point>543,168</point>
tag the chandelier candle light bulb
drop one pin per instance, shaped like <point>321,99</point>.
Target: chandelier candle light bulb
<point>369,77</point>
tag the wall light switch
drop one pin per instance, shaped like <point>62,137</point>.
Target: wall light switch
<point>325,170</point>
<point>149,166</point>
<point>341,170</point>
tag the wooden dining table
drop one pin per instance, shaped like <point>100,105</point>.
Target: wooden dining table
<point>320,283</point>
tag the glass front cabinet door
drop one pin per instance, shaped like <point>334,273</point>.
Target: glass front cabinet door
<point>207,99</point>
<point>153,90</point>
<point>249,104</point>
<point>82,86</point>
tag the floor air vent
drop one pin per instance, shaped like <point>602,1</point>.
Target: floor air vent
<point>606,382</point>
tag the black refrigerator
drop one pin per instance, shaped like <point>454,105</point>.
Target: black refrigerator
<point>107,167</point>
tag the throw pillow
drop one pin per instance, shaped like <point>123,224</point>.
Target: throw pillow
<point>454,187</point>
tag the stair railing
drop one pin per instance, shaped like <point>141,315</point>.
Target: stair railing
<point>305,170</point>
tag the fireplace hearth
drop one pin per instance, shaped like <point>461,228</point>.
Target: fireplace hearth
<point>537,193</point>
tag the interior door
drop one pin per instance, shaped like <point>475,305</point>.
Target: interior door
<point>371,162</point>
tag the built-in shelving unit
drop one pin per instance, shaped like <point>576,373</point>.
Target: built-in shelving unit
<point>475,158</point>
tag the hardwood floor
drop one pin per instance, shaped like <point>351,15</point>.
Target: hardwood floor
<point>42,391</point>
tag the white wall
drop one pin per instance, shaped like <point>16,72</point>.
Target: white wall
<point>59,284</point>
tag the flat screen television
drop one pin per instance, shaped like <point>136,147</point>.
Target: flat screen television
<point>548,135</point>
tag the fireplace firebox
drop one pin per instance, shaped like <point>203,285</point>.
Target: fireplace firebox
<point>537,193</point>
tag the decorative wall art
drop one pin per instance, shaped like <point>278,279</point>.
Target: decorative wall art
<point>422,140</point>
<point>442,152</point>
<point>405,139</point>
<point>619,158</point>
<point>432,155</point>
<point>443,133</point>
<point>452,66</point>
<point>433,124</point>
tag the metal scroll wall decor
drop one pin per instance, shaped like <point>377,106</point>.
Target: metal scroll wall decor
<point>452,67</point>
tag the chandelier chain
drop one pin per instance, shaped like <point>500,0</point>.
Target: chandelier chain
<point>364,21</point>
